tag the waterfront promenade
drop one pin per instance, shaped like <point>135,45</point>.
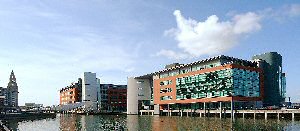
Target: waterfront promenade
<point>279,114</point>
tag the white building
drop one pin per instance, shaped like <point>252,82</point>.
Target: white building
<point>89,87</point>
<point>89,90</point>
<point>138,93</point>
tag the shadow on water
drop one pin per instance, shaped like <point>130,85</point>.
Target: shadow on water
<point>71,122</point>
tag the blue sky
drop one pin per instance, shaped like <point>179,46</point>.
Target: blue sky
<point>50,43</point>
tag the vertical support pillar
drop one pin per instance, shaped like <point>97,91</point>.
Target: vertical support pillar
<point>181,113</point>
<point>293,116</point>
<point>278,116</point>
<point>191,110</point>
<point>266,115</point>
<point>204,107</point>
<point>243,114</point>
<point>208,111</point>
<point>224,110</point>
<point>232,113</point>
<point>187,112</point>
<point>168,110</point>
<point>255,110</point>
<point>220,109</point>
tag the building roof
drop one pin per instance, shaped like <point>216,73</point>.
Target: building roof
<point>198,62</point>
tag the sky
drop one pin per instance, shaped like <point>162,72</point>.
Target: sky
<point>50,43</point>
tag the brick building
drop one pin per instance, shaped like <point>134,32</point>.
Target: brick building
<point>117,98</point>
<point>71,94</point>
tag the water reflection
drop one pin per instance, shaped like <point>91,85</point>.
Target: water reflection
<point>71,122</point>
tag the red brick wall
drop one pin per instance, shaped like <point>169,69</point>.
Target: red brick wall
<point>66,97</point>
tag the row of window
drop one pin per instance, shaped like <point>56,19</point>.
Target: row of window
<point>188,69</point>
<point>166,82</point>
<point>166,98</point>
<point>165,90</point>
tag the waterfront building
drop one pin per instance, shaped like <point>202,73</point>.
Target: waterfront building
<point>89,87</point>
<point>117,98</point>
<point>274,78</point>
<point>2,99</point>
<point>9,95</point>
<point>3,96</point>
<point>12,91</point>
<point>103,101</point>
<point>220,81</point>
<point>140,94</point>
<point>71,94</point>
<point>81,95</point>
<point>113,98</point>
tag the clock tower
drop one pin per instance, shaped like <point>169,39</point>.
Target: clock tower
<point>12,88</point>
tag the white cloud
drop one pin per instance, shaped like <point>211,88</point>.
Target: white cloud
<point>246,23</point>
<point>281,14</point>
<point>210,36</point>
<point>291,10</point>
<point>172,54</point>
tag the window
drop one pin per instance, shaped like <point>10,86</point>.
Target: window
<point>140,82</point>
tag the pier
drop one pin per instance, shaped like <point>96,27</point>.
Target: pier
<point>255,114</point>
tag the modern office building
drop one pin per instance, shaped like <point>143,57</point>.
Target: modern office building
<point>140,94</point>
<point>89,87</point>
<point>71,93</point>
<point>218,81</point>
<point>113,98</point>
<point>117,98</point>
<point>104,96</point>
<point>81,95</point>
<point>274,78</point>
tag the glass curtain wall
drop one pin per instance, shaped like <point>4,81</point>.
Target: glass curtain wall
<point>227,82</point>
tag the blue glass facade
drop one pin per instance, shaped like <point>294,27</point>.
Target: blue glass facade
<point>220,83</point>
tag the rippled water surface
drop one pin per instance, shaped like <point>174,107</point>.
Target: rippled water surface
<point>145,123</point>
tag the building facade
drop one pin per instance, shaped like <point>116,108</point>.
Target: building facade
<point>3,96</point>
<point>68,95</point>
<point>104,97</point>
<point>71,94</point>
<point>82,95</point>
<point>117,98</point>
<point>12,91</point>
<point>139,94</point>
<point>215,81</point>
<point>113,98</point>
<point>89,87</point>
<point>274,78</point>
